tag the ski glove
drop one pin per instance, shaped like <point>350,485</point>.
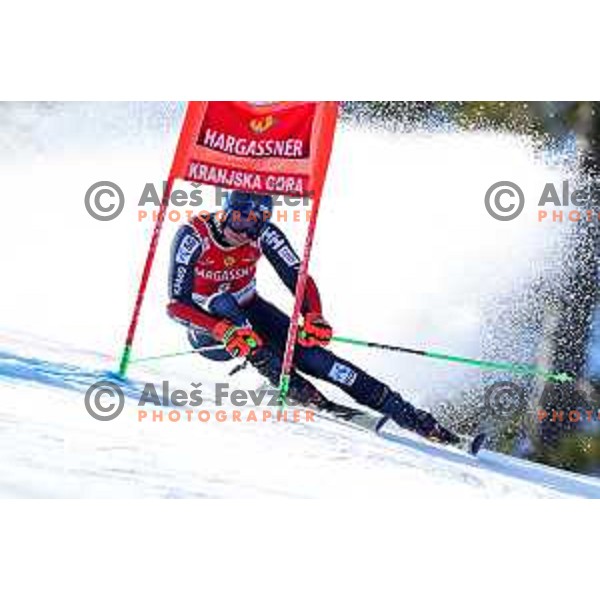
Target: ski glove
<point>238,341</point>
<point>315,331</point>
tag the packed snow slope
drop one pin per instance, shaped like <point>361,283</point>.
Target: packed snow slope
<point>51,447</point>
<point>412,259</point>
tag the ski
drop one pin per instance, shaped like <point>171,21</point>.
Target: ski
<point>375,423</point>
<point>348,415</point>
<point>340,413</point>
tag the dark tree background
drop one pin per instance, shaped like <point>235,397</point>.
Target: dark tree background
<point>570,309</point>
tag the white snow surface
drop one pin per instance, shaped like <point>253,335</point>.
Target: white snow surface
<point>428,257</point>
<point>51,447</point>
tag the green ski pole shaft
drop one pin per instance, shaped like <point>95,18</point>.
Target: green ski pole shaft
<point>482,364</point>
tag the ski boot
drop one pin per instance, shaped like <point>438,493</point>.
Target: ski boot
<point>414,419</point>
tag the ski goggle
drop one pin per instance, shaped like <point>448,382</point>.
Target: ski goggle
<point>249,217</point>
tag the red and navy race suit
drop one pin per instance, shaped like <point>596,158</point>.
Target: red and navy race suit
<point>210,280</point>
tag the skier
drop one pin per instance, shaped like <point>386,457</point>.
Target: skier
<point>212,288</point>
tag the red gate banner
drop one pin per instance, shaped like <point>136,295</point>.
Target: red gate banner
<point>275,148</point>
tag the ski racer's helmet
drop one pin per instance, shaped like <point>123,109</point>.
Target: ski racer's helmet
<point>247,213</point>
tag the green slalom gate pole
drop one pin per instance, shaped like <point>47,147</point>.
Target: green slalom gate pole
<point>522,369</point>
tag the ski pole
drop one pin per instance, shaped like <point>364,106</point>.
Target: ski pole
<point>482,364</point>
<point>172,354</point>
